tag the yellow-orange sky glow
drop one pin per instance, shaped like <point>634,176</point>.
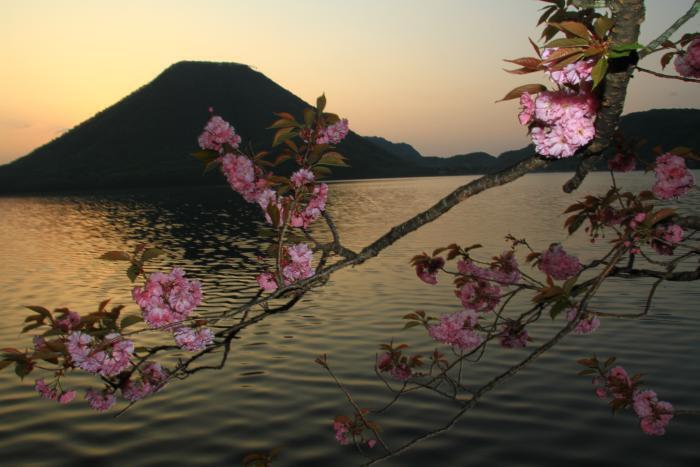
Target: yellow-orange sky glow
<point>423,72</point>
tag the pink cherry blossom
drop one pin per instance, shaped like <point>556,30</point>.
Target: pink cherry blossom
<point>618,383</point>
<point>673,178</point>
<point>665,237</point>
<point>587,325</point>
<point>333,134</point>
<point>563,122</point>
<point>167,298</point>
<point>479,296</point>
<point>622,163</point>
<point>67,397</point>
<point>688,63</point>
<point>457,329</point>
<point>100,400</point>
<point>557,264</point>
<point>401,372</point>
<point>302,177</point>
<point>371,443</point>
<point>513,336</point>
<point>341,432</point>
<point>108,357</point>
<point>153,378</point>
<point>503,270</point>
<point>573,73</point>
<point>267,282</point>
<point>45,390</point>
<point>315,206</point>
<point>527,111</point>
<point>69,321</point>
<point>242,176</point>
<point>218,132</point>
<point>298,264</point>
<point>427,272</point>
<point>193,339</point>
<point>654,415</point>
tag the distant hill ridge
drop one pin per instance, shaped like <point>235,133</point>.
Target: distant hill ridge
<point>146,138</point>
<point>667,128</point>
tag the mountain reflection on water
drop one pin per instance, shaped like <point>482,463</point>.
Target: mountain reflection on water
<point>272,395</point>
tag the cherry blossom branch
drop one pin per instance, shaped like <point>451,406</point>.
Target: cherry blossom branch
<point>663,75</point>
<point>651,47</point>
<point>513,370</point>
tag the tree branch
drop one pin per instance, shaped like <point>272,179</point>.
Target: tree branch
<point>694,9</point>
<point>628,15</point>
<point>662,75</point>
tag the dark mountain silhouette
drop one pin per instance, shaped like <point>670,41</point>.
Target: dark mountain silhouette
<point>667,128</point>
<point>146,138</point>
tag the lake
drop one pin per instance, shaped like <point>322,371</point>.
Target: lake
<point>271,395</point>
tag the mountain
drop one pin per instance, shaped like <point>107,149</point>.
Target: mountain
<point>667,128</point>
<point>404,150</point>
<point>146,138</point>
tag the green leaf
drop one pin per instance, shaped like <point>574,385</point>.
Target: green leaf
<point>573,27</point>
<point>151,253</point>
<point>561,304</point>
<point>130,320</point>
<point>282,123</point>
<point>526,88</point>
<point>333,158</point>
<point>411,324</point>
<point>41,310</point>
<point>599,70</point>
<point>566,43</point>
<point>282,135</point>
<point>206,156</point>
<point>626,47</point>
<point>132,273</point>
<point>22,368</point>
<point>321,102</point>
<point>320,171</point>
<point>216,163</point>
<point>602,25</point>
<point>29,327</point>
<point>116,256</point>
<point>309,116</point>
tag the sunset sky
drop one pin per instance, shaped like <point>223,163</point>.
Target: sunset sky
<point>423,72</point>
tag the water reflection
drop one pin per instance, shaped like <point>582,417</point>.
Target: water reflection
<point>270,392</point>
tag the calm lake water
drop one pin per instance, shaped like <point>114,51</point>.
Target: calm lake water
<point>271,394</point>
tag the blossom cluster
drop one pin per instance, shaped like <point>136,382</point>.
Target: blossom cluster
<point>557,264</point>
<point>654,415</point>
<point>153,378</point>
<point>503,270</point>
<point>295,266</point>
<point>571,74</point>
<point>50,392</point>
<point>457,330</point>
<point>560,122</point>
<point>167,299</point>
<point>587,325</point>
<point>243,176</point>
<point>217,133</point>
<point>688,63</point>
<point>107,357</point>
<point>391,362</point>
<point>673,179</point>
<point>333,134</point>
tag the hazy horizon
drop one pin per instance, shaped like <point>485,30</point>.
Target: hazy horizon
<point>408,71</point>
